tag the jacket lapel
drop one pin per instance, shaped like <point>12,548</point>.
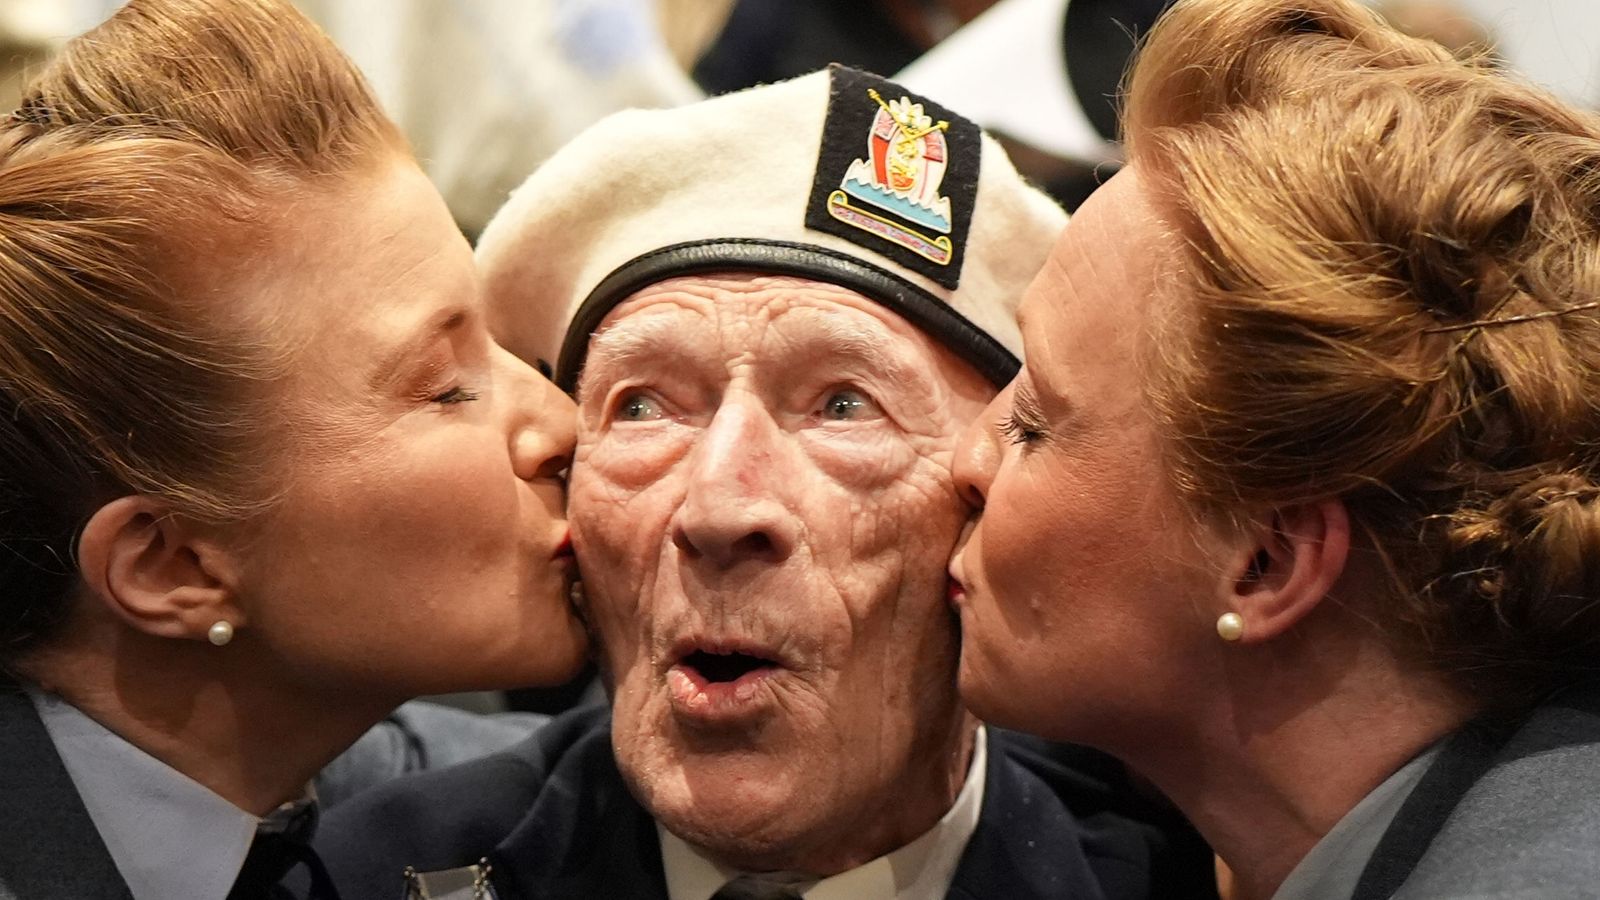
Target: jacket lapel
<point>584,837</point>
<point>53,849</point>
<point>1463,759</point>
<point>1027,846</point>
<point>1483,752</point>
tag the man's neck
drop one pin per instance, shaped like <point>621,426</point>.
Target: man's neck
<point>920,867</point>
<point>901,811</point>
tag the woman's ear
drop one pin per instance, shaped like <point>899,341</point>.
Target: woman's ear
<point>1285,566</point>
<point>156,572</point>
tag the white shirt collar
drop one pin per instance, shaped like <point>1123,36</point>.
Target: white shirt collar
<point>921,870</point>
<point>1333,867</point>
<point>169,836</point>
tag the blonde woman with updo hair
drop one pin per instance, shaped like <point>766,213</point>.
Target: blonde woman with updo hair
<point>263,472</point>
<point>1295,505</point>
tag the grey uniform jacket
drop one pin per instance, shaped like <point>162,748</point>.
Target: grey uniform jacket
<point>50,849</point>
<point>1508,810</point>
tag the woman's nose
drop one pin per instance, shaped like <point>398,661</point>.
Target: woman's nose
<point>544,420</point>
<point>978,453</point>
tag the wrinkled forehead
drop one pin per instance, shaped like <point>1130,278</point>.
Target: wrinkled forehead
<point>762,322</point>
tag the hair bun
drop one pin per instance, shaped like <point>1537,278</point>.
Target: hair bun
<point>1529,564</point>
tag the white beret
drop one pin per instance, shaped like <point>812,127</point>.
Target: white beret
<point>837,176</point>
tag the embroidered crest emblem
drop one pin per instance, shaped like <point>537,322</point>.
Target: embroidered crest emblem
<point>910,195</point>
<point>906,161</point>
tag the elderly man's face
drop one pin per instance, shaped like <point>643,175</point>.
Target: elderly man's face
<point>763,512</point>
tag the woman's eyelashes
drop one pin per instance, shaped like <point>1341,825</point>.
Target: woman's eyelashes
<point>1016,432</point>
<point>441,378</point>
<point>1024,424</point>
<point>453,395</point>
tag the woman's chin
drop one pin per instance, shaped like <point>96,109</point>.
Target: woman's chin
<point>977,691</point>
<point>568,654</point>
<point>549,654</point>
<point>988,697</point>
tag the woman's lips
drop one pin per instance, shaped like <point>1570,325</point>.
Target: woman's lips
<point>564,547</point>
<point>955,592</point>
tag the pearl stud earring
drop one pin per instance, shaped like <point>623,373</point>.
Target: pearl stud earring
<point>1230,626</point>
<point>220,633</point>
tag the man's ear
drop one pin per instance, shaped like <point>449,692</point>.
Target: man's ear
<point>155,571</point>
<point>1287,563</point>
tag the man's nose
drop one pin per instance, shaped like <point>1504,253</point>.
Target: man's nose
<point>735,504</point>
<point>978,452</point>
<point>543,419</point>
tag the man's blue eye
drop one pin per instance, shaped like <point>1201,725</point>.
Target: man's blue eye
<point>638,408</point>
<point>847,405</point>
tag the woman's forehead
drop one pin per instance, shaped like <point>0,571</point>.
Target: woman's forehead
<point>1082,319</point>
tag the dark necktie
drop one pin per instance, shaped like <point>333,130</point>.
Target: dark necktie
<point>759,887</point>
<point>279,853</point>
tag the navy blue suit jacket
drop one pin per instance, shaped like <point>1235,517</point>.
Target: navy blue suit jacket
<point>555,821</point>
<point>50,847</point>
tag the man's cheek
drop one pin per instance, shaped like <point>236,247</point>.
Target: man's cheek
<point>612,519</point>
<point>865,463</point>
<point>611,588</point>
<point>921,515</point>
<point>927,500</point>
<point>632,460</point>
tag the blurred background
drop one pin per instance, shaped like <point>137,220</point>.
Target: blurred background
<point>487,89</point>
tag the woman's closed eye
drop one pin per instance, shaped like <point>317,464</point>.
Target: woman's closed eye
<point>1024,424</point>
<point>453,395</point>
<point>1017,432</point>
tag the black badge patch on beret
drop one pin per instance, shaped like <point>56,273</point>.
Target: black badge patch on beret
<point>896,174</point>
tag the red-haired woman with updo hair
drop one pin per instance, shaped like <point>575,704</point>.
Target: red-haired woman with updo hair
<point>263,473</point>
<point>1295,505</point>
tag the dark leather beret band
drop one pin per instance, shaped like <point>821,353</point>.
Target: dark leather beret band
<point>916,305</point>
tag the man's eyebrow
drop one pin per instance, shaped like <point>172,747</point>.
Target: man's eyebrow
<point>628,342</point>
<point>613,350</point>
<point>418,337</point>
<point>839,339</point>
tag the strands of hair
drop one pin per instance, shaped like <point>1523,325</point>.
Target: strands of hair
<point>149,148</point>
<point>1392,254</point>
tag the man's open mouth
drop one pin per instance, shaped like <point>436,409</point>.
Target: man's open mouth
<point>722,668</point>
<point>717,683</point>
